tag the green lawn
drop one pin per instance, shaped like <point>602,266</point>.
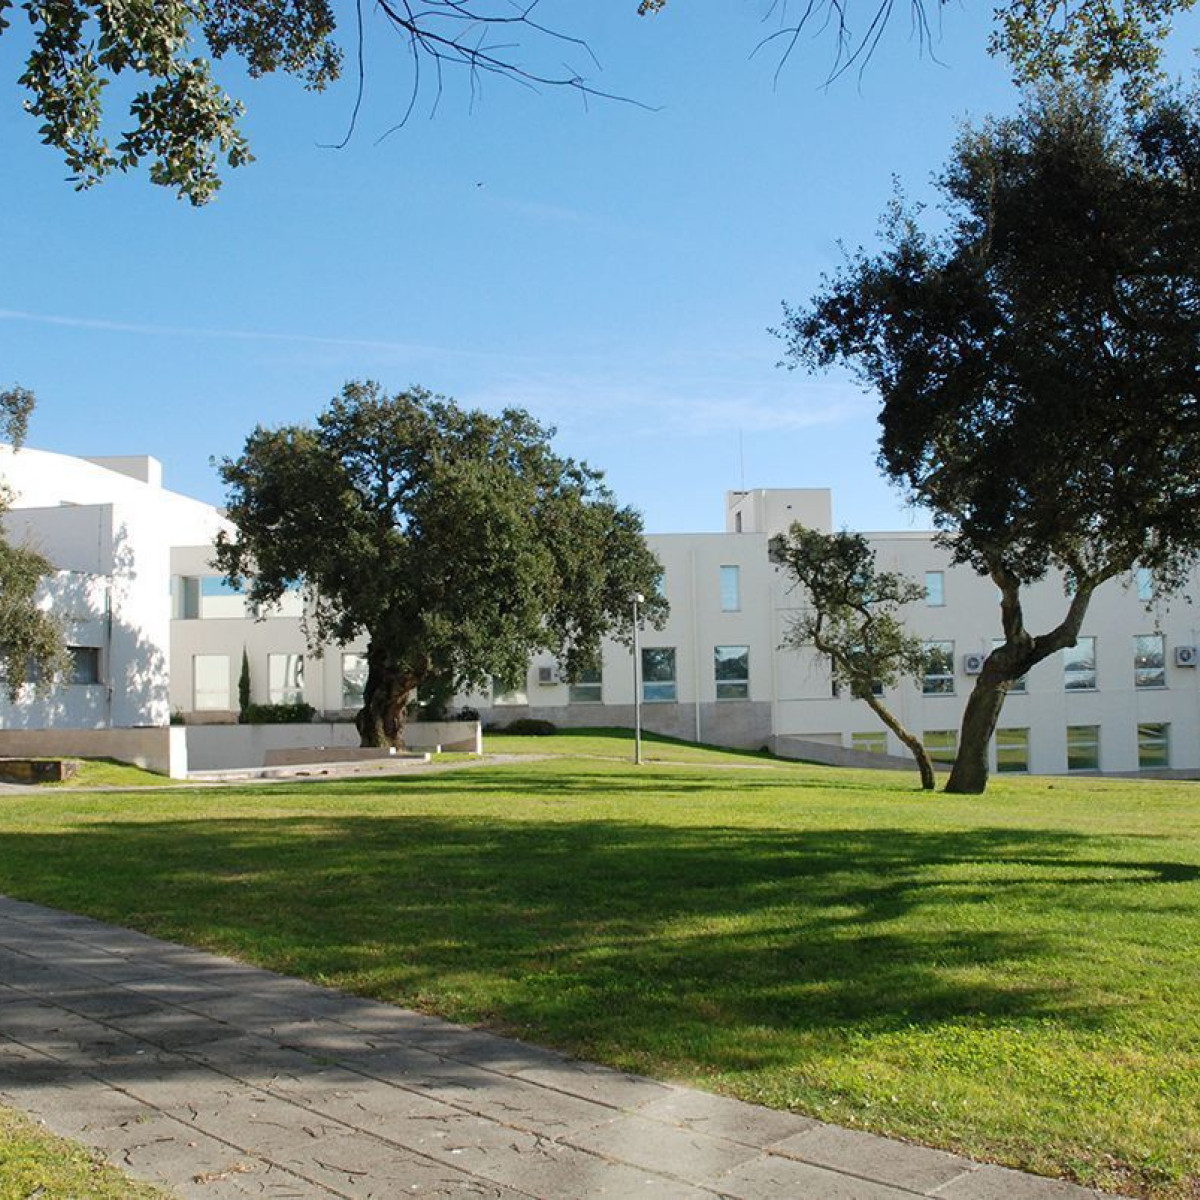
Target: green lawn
<point>1016,976</point>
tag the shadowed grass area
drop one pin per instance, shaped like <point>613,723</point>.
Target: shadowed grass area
<point>1014,975</point>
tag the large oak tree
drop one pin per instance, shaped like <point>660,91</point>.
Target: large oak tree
<point>1039,361</point>
<point>456,541</point>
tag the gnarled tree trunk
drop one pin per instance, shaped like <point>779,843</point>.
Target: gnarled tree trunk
<point>381,720</point>
<point>1007,663</point>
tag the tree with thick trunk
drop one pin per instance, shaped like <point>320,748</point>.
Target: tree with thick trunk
<point>852,619</point>
<point>455,541</point>
<point>1039,362</point>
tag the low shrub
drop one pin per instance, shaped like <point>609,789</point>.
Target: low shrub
<point>280,714</point>
<point>531,727</point>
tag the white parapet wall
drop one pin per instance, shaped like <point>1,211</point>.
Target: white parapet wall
<point>239,747</point>
<point>462,737</point>
<point>162,749</point>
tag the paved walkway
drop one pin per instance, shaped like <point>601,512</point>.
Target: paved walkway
<point>222,1080</point>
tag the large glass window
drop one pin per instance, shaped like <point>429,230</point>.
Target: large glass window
<point>941,745</point>
<point>1012,750</point>
<point>1079,667</point>
<point>1083,747</point>
<point>354,680</point>
<point>935,589</point>
<point>1145,583</point>
<point>658,673</point>
<point>731,589</point>
<point>869,743</point>
<point>210,682</point>
<point>939,669</point>
<point>588,688</point>
<point>731,666</point>
<point>1149,661</point>
<point>285,678</point>
<point>1154,746</point>
<point>84,667</point>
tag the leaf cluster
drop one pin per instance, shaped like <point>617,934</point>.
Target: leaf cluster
<point>1039,361</point>
<point>456,540</point>
<point>853,611</point>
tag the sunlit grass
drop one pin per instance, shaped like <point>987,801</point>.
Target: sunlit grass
<point>1015,975</point>
<point>34,1163</point>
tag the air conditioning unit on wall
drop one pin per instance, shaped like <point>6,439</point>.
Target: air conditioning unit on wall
<point>547,676</point>
<point>1185,656</point>
<point>973,663</point>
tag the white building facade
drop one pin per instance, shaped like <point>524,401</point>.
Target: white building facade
<point>156,633</point>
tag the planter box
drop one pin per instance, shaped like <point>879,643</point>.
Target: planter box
<point>32,770</point>
<point>464,737</point>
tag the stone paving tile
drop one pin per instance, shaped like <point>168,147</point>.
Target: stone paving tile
<point>719,1116</point>
<point>601,1084</point>
<point>863,1154</point>
<point>786,1179</point>
<point>546,1168</point>
<point>998,1183</point>
<point>651,1145</point>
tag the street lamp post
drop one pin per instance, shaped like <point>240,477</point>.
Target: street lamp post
<point>638,598</point>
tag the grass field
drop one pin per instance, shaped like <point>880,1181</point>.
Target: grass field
<point>1016,976</point>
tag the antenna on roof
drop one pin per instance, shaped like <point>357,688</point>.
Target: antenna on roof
<point>741,463</point>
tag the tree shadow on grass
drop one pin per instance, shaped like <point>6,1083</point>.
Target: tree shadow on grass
<point>613,938</point>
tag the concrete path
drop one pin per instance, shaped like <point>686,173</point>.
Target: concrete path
<point>220,1080</point>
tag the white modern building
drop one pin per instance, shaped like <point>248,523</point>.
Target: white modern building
<point>155,633</point>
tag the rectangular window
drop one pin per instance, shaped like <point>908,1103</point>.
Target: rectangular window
<point>1145,583</point>
<point>1149,661</point>
<point>1017,687</point>
<point>84,667</point>
<point>1154,746</point>
<point>1083,747</point>
<point>1012,750</point>
<point>354,680</point>
<point>869,743</point>
<point>285,678</point>
<point>1079,667</point>
<point>731,589</point>
<point>210,682</point>
<point>658,673</point>
<point>185,597</point>
<point>939,669</point>
<point>935,589</point>
<point>731,666</point>
<point>588,688</point>
<point>941,745</point>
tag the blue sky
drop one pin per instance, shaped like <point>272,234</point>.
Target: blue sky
<point>613,269</point>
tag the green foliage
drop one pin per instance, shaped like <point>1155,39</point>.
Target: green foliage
<point>853,619</point>
<point>1039,361</point>
<point>31,639</point>
<point>853,611</point>
<point>299,713</point>
<point>457,541</point>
